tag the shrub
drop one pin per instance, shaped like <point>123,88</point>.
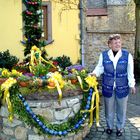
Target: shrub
<point>63,61</point>
<point>7,60</point>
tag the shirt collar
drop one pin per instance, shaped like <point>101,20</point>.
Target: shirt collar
<point>119,54</point>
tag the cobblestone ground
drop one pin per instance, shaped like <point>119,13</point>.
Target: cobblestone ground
<point>132,127</point>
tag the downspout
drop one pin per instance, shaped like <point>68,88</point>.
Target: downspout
<point>82,31</point>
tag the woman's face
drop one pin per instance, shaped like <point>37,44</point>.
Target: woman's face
<point>115,44</point>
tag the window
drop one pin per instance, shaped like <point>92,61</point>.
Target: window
<point>96,3</point>
<point>96,7</point>
<point>47,22</point>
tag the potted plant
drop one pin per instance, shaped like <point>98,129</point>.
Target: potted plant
<point>72,78</point>
<point>23,80</point>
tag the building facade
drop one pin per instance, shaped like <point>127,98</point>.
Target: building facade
<point>105,17</point>
<point>62,28</point>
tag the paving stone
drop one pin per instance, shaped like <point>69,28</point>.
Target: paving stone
<point>132,127</point>
<point>127,137</point>
<point>135,138</point>
<point>100,129</point>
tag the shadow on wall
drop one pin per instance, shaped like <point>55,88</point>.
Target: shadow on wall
<point>137,69</point>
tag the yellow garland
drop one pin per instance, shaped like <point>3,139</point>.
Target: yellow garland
<point>59,83</point>
<point>5,87</point>
<point>91,81</point>
<point>34,51</point>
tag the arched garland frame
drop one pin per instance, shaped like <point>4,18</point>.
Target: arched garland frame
<point>73,124</point>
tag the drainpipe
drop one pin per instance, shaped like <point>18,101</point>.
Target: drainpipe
<point>82,31</point>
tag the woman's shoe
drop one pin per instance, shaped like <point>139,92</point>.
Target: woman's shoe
<point>119,133</point>
<point>109,131</point>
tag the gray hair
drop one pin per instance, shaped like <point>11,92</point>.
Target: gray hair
<point>114,37</point>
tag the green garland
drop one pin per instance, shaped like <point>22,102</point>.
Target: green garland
<point>20,110</point>
<point>32,18</point>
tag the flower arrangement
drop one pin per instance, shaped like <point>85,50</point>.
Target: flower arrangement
<point>51,80</point>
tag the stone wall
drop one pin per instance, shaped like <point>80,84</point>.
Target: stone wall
<point>52,111</point>
<point>100,27</point>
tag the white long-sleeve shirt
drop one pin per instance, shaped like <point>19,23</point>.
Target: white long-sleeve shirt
<point>99,69</point>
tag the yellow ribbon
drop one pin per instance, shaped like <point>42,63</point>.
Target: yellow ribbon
<point>81,84</point>
<point>91,81</point>
<point>5,87</point>
<point>59,83</point>
<point>37,59</point>
<point>97,108</point>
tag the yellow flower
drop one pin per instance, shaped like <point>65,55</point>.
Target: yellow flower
<point>15,73</point>
<point>5,73</point>
<point>83,71</point>
<point>73,70</point>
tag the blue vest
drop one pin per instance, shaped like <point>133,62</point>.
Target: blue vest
<point>119,76</point>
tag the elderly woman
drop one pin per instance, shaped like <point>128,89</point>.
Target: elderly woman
<point>116,67</point>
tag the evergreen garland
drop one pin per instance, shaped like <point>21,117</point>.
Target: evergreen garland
<point>25,113</point>
<point>32,17</point>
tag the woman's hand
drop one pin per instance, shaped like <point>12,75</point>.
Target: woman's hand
<point>133,90</point>
<point>92,74</point>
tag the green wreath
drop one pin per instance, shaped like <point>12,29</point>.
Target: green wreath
<point>74,124</point>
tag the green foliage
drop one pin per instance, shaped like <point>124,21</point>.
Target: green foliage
<point>41,69</point>
<point>19,108</point>
<point>137,1</point>
<point>32,25</point>
<point>63,61</point>
<point>21,112</point>
<point>7,60</point>
<point>24,78</point>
